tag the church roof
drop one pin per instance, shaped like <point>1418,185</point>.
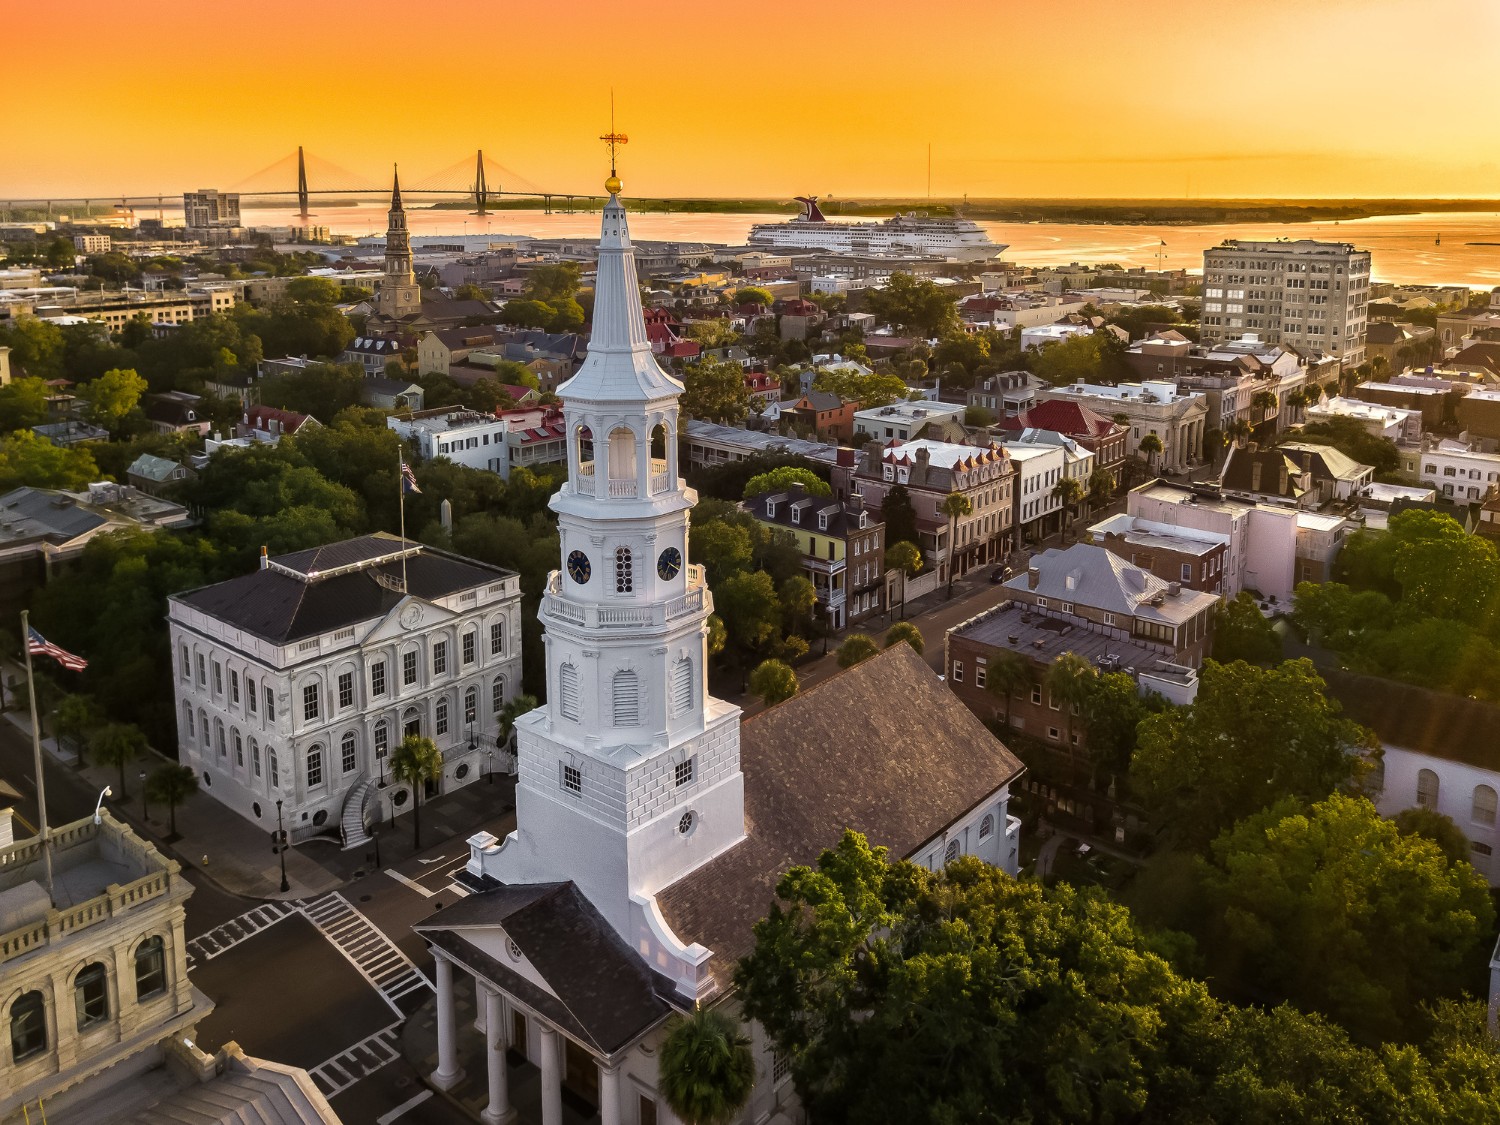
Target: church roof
<point>601,992</point>
<point>883,748</point>
<point>619,366</point>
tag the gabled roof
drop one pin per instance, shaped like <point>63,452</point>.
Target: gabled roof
<point>260,418</point>
<point>1091,576</point>
<point>601,991</point>
<point>1481,353</point>
<point>1239,472</point>
<point>152,467</point>
<point>883,748</point>
<point>1325,462</point>
<point>1063,417</point>
<point>820,401</point>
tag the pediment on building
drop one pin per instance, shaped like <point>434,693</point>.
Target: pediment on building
<point>409,615</point>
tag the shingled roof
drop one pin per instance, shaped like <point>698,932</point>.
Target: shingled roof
<point>297,596</point>
<point>602,993</point>
<point>883,748</point>
<point>1451,727</point>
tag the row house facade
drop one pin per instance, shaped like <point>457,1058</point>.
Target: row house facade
<point>843,549</point>
<point>295,683</point>
<point>930,471</point>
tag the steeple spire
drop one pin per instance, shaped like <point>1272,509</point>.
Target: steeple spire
<point>396,189</point>
<point>399,294</point>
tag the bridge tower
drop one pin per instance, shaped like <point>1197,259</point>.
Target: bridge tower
<point>301,184</point>
<point>481,189</point>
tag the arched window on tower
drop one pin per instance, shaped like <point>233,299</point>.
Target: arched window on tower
<point>567,692</point>
<point>624,571</point>
<point>661,461</point>
<point>1483,811</point>
<point>626,698</point>
<point>621,462</point>
<point>682,686</point>
<point>28,1025</point>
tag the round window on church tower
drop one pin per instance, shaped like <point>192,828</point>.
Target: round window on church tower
<point>685,823</point>
<point>513,949</point>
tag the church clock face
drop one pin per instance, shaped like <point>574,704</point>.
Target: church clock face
<point>669,563</point>
<point>578,567</point>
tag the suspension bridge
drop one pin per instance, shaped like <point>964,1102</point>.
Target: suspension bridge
<point>304,176</point>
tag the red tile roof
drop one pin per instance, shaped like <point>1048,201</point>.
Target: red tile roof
<point>1071,418</point>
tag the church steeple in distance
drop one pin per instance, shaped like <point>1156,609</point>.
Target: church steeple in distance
<point>399,293</point>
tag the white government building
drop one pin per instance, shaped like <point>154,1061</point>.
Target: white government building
<point>652,824</point>
<point>296,681</point>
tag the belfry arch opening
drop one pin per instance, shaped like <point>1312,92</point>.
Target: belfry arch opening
<point>622,464</point>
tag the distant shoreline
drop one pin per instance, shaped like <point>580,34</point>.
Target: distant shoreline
<point>1104,212</point>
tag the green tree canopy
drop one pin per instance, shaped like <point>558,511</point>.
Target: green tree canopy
<point>1351,438</point>
<point>1071,360</point>
<point>904,556</point>
<point>905,631</point>
<point>27,458</point>
<point>1333,909</point>
<point>857,647</point>
<point>554,281</point>
<point>1241,632</point>
<point>171,784</point>
<point>1252,737</point>
<point>313,291</point>
<point>773,681</point>
<point>113,396</point>
<point>707,1067</point>
<point>23,404</point>
<point>715,391</point>
<point>782,478</point>
<point>117,745</point>
<point>321,389</point>
<point>416,761</point>
<point>870,391</point>
<point>915,305</point>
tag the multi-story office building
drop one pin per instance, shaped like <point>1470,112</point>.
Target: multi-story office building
<point>295,682</point>
<point>1311,295</point>
<point>209,207</point>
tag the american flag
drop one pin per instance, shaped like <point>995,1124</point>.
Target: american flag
<point>408,479</point>
<point>39,645</point>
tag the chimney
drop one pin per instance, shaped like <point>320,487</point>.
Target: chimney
<point>845,458</point>
<point>1033,577</point>
<point>265,562</point>
<point>1255,475</point>
<point>1284,478</point>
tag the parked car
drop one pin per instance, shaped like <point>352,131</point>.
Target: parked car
<point>1000,574</point>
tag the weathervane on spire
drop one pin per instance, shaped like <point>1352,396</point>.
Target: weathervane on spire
<point>614,140</point>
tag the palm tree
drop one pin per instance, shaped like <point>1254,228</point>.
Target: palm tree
<point>1238,430</point>
<point>1068,490</point>
<point>954,505</point>
<point>905,631</point>
<point>906,558</point>
<point>76,716</point>
<point>117,744</point>
<point>707,1068</point>
<point>1069,681</point>
<point>1151,446</point>
<point>171,784</point>
<point>416,761</point>
<point>856,648</point>
<point>1265,402</point>
<point>1008,673</point>
<point>1101,489</point>
<point>1296,400</point>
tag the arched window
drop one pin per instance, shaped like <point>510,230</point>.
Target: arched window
<point>255,757</point>
<point>187,720</point>
<point>348,759</point>
<point>239,748</point>
<point>150,968</point>
<point>250,700</point>
<point>987,825</point>
<point>497,695</point>
<point>1427,789</point>
<point>315,766</point>
<point>626,698</point>
<point>621,454</point>
<point>950,853</point>
<point>382,739</point>
<point>28,1026</point>
<point>471,705</point>
<point>187,668</point>
<point>624,571</point>
<point>567,692</point>
<point>1484,805</point>
<point>585,440</point>
<point>219,737</point>
<point>270,704</point>
<point>91,995</point>
<point>682,686</point>
<point>497,636</point>
<point>203,730</point>
<point>275,767</point>
<point>440,717</point>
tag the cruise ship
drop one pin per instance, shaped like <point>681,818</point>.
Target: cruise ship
<point>912,233</point>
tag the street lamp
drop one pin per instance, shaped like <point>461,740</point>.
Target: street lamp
<point>375,836</point>
<point>281,847</point>
<point>489,767</point>
<point>141,777</point>
<point>107,791</point>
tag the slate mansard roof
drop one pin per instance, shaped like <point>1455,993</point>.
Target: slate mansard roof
<point>883,748</point>
<point>335,586</point>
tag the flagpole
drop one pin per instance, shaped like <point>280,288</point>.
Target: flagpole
<point>36,750</point>
<point>401,487</point>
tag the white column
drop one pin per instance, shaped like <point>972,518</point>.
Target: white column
<point>609,1094</point>
<point>499,1111</point>
<point>551,1076</point>
<point>481,1010</point>
<point>447,1073</point>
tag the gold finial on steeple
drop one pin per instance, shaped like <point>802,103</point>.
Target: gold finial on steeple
<point>614,140</point>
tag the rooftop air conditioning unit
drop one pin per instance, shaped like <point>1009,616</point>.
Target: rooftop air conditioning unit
<point>1159,599</point>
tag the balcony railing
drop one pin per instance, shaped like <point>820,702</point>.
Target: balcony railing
<point>591,615</point>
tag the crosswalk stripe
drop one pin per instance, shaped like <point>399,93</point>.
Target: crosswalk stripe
<point>227,935</point>
<point>348,1067</point>
<point>375,957</point>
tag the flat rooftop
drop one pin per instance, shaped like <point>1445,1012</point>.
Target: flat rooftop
<point>1163,536</point>
<point>1034,633</point>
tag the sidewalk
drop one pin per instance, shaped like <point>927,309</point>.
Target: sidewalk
<point>236,855</point>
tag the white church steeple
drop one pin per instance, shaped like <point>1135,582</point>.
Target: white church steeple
<point>629,775</point>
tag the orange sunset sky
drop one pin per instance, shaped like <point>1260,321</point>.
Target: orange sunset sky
<point>1143,98</point>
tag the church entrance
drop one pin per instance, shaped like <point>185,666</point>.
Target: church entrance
<point>581,1072</point>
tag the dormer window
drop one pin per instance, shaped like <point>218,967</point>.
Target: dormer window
<point>797,516</point>
<point>770,509</point>
<point>822,521</point>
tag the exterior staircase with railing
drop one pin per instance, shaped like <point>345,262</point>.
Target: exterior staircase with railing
<point>352,821</point>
